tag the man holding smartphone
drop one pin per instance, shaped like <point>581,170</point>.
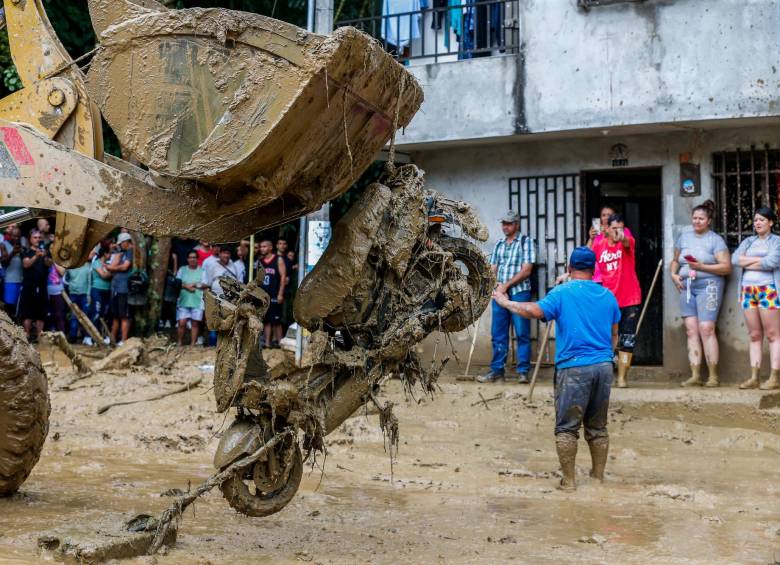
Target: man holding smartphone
<point>616,260</point>
<point>34,298</point>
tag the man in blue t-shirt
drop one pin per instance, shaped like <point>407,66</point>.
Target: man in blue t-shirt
<point>587,317</point>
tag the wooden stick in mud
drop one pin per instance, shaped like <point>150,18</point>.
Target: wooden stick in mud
<point>59,339</point>
<point>473,343</point>
<point>542,347</point>
<point>183,388</point>
<point>83,319</point>
<point>107,331</point>
<point>174,512</point>
<point>649,296</point>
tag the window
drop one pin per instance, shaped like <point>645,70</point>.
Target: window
<point>744,181</point>
<point>550,212</point>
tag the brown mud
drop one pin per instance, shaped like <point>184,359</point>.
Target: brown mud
<point>24,406</point>
<point>472,482</point>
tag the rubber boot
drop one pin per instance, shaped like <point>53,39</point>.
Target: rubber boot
<point>773,382</point>
<point>695,379</point>
<point>713,380</point>
<point>566,446</point>
<point>753,381</point>
<point>624,364</point>
<point>599,448</point>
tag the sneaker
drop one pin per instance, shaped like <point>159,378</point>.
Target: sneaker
<point>88,341</point>
<point>167,324</point>
<point>199,341</point>
<point>107,340</point>
<point>120,343</point>
<point>522,379</point>
<point>491,377</point>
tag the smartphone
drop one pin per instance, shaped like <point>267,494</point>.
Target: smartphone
<point>690,259</point>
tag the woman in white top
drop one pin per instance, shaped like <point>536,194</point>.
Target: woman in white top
<point>759,258</point>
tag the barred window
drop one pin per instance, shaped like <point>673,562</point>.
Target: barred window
<point>744,181</point>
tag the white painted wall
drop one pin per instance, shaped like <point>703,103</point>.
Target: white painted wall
<point>480,175</point>
<point>658,62</point>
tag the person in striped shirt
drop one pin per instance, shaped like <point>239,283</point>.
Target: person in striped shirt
<point>512,261</point>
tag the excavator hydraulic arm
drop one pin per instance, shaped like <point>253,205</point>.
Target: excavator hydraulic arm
<point>239,121</point>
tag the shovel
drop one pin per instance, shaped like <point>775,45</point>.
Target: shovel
<point>625,357</point>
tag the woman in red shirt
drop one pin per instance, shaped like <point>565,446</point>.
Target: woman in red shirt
<point>616,261</point>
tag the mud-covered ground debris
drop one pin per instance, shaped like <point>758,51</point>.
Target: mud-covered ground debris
<point>468,484</point>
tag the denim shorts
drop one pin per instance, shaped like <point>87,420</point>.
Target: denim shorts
<point>582,397</point>
<point>703,299</point>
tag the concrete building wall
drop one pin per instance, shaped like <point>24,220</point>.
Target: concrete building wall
<point>657,62</point>
<point>480,175</point>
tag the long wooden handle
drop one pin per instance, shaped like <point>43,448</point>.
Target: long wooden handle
<point>649,296</point>
<point>542,347</point>
<point>473,343</point>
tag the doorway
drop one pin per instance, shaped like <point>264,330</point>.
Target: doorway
<point>637,195</point>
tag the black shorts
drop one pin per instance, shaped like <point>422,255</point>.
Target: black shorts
<point>274,314</point>
<point>629,316</point>
<point>33,302</point>
<point>119,306</point>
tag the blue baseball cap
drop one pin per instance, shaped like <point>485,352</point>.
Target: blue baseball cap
<point>582,259</point>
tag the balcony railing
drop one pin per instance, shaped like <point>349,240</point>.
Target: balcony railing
<point>471,29</point>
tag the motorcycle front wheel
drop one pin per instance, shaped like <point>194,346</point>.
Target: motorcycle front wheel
<point>245,494</point>
<point>479,277</point>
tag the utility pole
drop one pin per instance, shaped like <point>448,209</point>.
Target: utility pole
<point>314,229</point>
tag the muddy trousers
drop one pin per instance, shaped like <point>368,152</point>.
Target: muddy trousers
<point>499,330</point>
<point>582,397</point>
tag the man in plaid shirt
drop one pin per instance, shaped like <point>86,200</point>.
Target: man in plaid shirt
<point>512,262</point>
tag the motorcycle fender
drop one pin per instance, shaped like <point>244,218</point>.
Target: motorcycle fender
<point>240,439</point>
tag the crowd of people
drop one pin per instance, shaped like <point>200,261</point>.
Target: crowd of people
<point>274,267</point>
<point>699,269</point>
<point>34,287</point>
<point>35,290</point>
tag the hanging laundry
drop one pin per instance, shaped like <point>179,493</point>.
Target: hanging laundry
<point>455,21</point>
<point>399,30</point>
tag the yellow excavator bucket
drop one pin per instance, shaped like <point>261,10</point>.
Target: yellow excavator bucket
<point>245,103</point>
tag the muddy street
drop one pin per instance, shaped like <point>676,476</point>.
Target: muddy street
<point>474,480</point>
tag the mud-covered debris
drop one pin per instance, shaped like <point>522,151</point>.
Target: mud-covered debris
<point>130,353</point>
<point>595,538</point>
<point>673,492</point>
<point>173,492</point>
<point>279,361</point>
<point>115,537</point>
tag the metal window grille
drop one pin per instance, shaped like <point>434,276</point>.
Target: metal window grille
<point>744,181</point>
<point>472,28</point>
<point>550,212</point>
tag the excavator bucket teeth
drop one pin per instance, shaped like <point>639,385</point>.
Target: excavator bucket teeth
<point>248,104</point>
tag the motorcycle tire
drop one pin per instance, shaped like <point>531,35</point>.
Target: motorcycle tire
<point>236,492</point>
<point>24,406</point>
<point>479,278</point>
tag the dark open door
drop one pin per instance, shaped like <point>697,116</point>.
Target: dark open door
<point>637,194</point>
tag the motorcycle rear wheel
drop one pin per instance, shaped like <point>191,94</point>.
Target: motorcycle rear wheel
<point>24,406</point>
<point>260,504</point>
<point>478,276</point>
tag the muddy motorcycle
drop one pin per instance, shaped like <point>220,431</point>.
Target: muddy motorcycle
<point>401,265</point>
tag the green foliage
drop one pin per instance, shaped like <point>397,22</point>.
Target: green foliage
<point>11,81</point>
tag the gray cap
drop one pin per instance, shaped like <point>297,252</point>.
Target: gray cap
<point>510,217</point>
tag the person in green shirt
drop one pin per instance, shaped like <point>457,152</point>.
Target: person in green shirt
<point>189,307</point>
<point>78,282</point>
